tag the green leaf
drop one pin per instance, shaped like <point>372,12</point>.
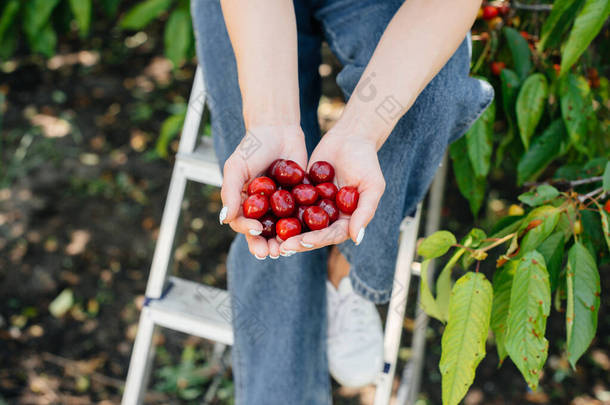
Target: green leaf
<point>110,7</point>
<point>545,148</point>
<point>520,51</point>
<point>36,16</point>
<point>479,140</point>
<point>502,283</point>
<point>471,186</point>
<point>82,12</point>
<point>576,108</point>
<point>562,14</point>
<point>436,244</point>
<point>552,250</point>
<point>143,13</point>
<point>169,129</point>
<point>463,342</point>
<point>45,41</point>
<point>444,285</point>
<point>8,16</point>
<point>535,236</point>
<point>606,179</point>
<point>530,105</point>
<point>178,35</point>
<point>510,83</point>
<point>605,219</point>
<point>538,196</point>
<point>8,43</point>
<point>474,239</point>
<point>583,290</point>
<point>426,299</point>
<point>530,305</point>
<point>586,27</point>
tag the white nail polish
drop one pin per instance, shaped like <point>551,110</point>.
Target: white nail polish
<point>360,236</point>
<point>254,232</point>
<point>223,215</point>
<point>306,245</point>
<point>274,257</point>
<point>260,258</point>
<point>284,254</point>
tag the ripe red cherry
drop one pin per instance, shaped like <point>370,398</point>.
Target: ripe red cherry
<point>305,194</point>
<point>287,227</point>
<point>262,185</point>
<point>347,199</point>
<point>282,203</point>
<point>273,167</point>
<point>321,172</point>
<point>331,209</point>
<point>607,206</point>
<point>255,206</point>
<point>288,173</point>
<point>316,218</point>
<point>496,67</point>
<point>268,222</point>
<point>327,190</point>
<point>504,8</point>
<point>489,12</point>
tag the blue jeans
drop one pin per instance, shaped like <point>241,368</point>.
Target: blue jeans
<point>279,306</point>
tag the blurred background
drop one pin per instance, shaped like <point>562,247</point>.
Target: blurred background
<point>92,99</point>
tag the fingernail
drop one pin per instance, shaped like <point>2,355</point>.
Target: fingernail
<point>360,236</point>
<point>254,232</point>
<point>274,257</point>
<point>287,253</point>
<point>306,245</point>
<point>260,258</point>
<point>223,215</point>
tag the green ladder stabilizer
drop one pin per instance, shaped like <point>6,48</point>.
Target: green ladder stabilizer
<point>205,311</point>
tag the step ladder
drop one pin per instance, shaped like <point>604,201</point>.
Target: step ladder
<point>204,311</point>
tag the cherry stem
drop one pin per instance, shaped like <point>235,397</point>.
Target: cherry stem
<point>498,242</point>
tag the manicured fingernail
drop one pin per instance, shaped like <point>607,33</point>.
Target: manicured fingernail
<point>260,258</point>
<point>223,215</point>
<point>287,253</point>
<point>254,232</point>
<point>360,236</point>
<point>306,245</point>
<point>274,257</point>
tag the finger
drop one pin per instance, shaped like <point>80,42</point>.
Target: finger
<point>367,205</point>
<point>334,234</point>
<point>274,248</point>
<point>258,246</point>
<point>235,175</point>
<point>247,226</point>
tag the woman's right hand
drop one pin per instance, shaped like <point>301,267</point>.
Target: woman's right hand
<point>260,146</point>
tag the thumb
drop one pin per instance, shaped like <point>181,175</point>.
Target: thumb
<point>235,175</point>
<point>367,205</point>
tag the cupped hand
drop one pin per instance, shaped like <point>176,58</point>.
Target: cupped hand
<point>258,149</point>
<point>356,164</point>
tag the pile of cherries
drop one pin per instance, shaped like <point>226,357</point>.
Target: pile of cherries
<point>288,201</point>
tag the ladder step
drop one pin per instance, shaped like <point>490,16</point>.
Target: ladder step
<point>193,308</point>
<point>201,165</point>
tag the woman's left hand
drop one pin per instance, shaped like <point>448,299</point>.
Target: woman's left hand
<point>356,164</point>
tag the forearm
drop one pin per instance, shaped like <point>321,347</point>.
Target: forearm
<point>417,43</point>
<point>264,38</point>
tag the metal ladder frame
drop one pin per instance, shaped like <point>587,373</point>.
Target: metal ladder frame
<point>169,303</point>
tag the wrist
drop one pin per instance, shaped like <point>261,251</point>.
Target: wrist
<point>360,129</point>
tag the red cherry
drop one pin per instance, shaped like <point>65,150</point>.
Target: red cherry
<point>496,67</point>
<point>607,206</point>
<point>262,185</point>
<point>288,173</point>
<point>268,222</point>
<point>321,172</point>
<point>316,218</point>
<point>255,206</point>
<point>327,190</point>
<point>300,210</point>
<point>273,167</point>
<point>282,203</point>
<point>347,199</point>
<point>489,12</point>
<point>287,227</point>
<point>305,194</point>
<point>331,209</point>
<point>504,8</point>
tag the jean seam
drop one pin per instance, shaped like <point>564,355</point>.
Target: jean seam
<point>371,294</point>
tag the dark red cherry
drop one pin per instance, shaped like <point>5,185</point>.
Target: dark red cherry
<point>305,194</point>
<point>268,222</point>
<point>287,228</point>
<point>321,172</point>
<point>347,199</point>
<point>271,170</point>
<point>255,206</point>
<point>327,190</point>
<point>262,185</point>
<point>316,218</point>
<point>282,203</point>
<point>288,173</point>
<point>330,207</point>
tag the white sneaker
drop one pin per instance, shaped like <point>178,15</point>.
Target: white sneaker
<point>355,338</point>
